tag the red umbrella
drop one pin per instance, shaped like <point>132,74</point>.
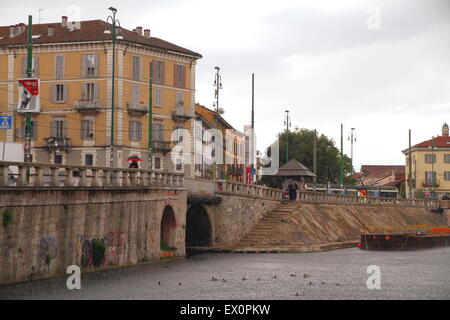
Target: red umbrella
<point>134,158</point>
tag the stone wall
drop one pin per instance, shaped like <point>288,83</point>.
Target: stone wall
<point>51,229</point>
<point>236,216</point>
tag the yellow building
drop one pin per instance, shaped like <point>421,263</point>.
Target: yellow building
<point>75,66</point>
<point>430,164</point>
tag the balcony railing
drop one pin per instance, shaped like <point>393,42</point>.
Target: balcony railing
<point>181,114</point>
<point>137,108</point>
<point>87,106</point>
<point>428,183</point>
<point>56,143</point>
<point>162,146</point>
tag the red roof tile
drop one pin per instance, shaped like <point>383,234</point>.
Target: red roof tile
<point>92,30</point>
<point>440,141</point>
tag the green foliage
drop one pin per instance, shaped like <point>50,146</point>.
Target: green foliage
<point>98,252</point>
<point>7,218</point>
<point>48,259</point>
<point>166,247</point>
<point>301,148</point>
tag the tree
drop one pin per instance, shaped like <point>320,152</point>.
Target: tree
<point>301,148</point>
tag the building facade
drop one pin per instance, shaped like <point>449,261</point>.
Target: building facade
<point>75,68</point>
<point>430,165</point>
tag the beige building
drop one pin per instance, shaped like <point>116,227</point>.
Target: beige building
<point>75,71</point>
<point>430,164</point>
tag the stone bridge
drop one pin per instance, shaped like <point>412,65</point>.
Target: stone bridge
<point>54,216</point>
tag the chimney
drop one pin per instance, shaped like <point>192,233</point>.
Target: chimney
<point>64,21</point>
<point>11,31</point>
<point>139,30</point>
<point>147,33</point>
<point>51,31</point>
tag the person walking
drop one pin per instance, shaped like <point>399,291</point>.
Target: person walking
<point>134,165</point>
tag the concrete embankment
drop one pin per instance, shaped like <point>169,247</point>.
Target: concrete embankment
<point>300,227</point>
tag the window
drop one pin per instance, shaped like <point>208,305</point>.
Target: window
<point>59,67</point>
<point>135,93</point>
<point>158,132</point>
<point>430,158</point>
<point>179,76</point>
<point>158,97</point>
<point>88,159</point>
<point>34,131</point>
<point>59,128</point>
<point>135,130</point>
<point>157,163</point>
<point>87,129</point>
<point>136,68</point>
<point>90,91</point>
<point>59,93</point>
<point>179,100</point>
<point>430,177</point>
<point>179,133</point>
<point>179,166</point>
<point>90,65</point>
<point>447,175</point>
<point>447,158</point>
<point>34,66</point>
<point>158,72</point>
<point>58,158</point>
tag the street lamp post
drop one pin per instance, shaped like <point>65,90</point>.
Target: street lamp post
<point>287,122</point>
<point>115,36</point>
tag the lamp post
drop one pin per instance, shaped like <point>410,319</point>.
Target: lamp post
<point>218,85</point>
<point>287,122</point>
<point>115,36</point>
<point>352,139</point>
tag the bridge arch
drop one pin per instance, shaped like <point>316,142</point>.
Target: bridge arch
<point>168,227</point>
<point>198,226</point>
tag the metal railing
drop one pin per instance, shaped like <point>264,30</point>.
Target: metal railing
<point>22,174</point>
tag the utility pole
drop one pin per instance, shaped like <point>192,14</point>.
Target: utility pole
<point>410,168</point>
<point>218,85</point>
<point>287,122</point>
<point>150,121</point>
<point>115,22</point>
<point>315,157</point>
<point>352,139</point>
<point>253,101</point>
<point>252,143</point>
<point>27,145</point>
<point>341,160</point>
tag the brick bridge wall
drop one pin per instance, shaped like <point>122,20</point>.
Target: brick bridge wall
<point>52,228</point>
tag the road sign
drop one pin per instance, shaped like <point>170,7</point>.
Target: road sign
<point>5,122</point>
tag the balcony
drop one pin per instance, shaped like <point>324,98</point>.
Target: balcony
<point>87,106</point>
<point>136,108</point>
<point>430,184</point>
<point>162,146</point>
<point>179,114</point>
<point>54,143</point>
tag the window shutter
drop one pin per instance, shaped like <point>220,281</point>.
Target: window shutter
<point>96,65</point>
<point>141,69</point>
<point>24,66</point>
<point>59,66</point>
<point>84,91</point>
<point>154,65</point>
<point>158,97</point>
<point>96,84</point>
<point>135,93</point>
<point>65,88</point>
<point>139,130</point>
<point>175,76</point>
<point>35,66</point>
<point>64,133</point>
<point>53,128</point>
<point>162,68</point>
<point>84,65</point>
<point>83,130</point>
<point>130,129</point>
<point>54,93</point>
<point>183,77</point>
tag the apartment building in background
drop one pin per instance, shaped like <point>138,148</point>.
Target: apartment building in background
<point>430,164</point>
<point>75,66</point>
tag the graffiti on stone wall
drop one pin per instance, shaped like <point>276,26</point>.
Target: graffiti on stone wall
<point>115,244</point>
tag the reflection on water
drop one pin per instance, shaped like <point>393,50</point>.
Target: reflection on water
<point>338,274</point>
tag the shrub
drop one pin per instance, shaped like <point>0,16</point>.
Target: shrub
<point>98,252</point>
<point>7,218</point>
<point>166,247</point>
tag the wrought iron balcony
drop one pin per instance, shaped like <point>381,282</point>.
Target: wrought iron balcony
<point>136,108</point>
<point>87,106</point>
<point>430,183</point>
<point>55,143</point>
<point>180,114</point>
<point>162,146</point>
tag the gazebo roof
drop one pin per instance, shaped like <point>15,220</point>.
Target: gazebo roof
<point>293,168</point>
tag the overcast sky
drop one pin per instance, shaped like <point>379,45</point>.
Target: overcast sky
<point>382,67</point>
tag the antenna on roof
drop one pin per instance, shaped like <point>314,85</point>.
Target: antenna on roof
<point>39,14</point>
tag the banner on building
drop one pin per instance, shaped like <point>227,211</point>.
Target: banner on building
<point>28,95</point>
<point>362,193</point>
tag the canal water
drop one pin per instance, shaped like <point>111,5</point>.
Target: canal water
<point>338,274</point>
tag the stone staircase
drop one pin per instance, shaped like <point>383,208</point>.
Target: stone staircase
<point>258,236</point>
